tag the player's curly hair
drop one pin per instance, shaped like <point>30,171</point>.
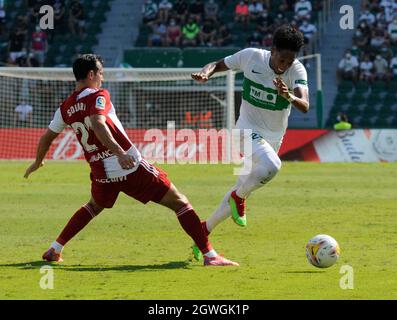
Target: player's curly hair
<point>287,37</point>
<point>85,63</point>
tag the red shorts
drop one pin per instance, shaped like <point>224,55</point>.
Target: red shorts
<point>147,183</point>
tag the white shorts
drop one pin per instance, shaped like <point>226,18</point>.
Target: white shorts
<point>253,141</point>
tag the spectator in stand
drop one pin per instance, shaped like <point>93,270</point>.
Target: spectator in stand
<point>208,33</point>
<point>347,68</point>
<point>342,122</point>
<point>158,36</point>
<point>242,13</point>
<point>34,11</point>
<point>255,40</point>
<point>190,33</point>
<point>196,10</point>
<point>255,10</point>
<point>16,45</point>
<point>2,18</point>
<point>39,45</point>
<point>285,6</point>
<point>381,17</point>
<point>356,52</point>
<point>165,6</point>
<point>368,17</point>
<point>27,60</point>
<point>181,10</point>
<point>264,22</point>
<point>360,39</point>
<point>267,42</point>
<point>76,18</point>
<point>392,31</point>
<point>279,20</point>
<point>211,9</point>
<point>59,15</point>
<point>381,68</point>
<point>386,52</point>
<point>366,70</point>
<point>387,5</point>
<point>379,37</point>
<point>393,68</point>
<point>308,30</point>
<point>149,11</point>
<point>223,38</point>
<point>173,34</point>
<point>23,115</point>
<point>303,10</point>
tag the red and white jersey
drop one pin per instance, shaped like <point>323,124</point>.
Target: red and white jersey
<point>75,112</point>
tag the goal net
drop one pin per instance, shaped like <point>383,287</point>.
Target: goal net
<point>164,112</point>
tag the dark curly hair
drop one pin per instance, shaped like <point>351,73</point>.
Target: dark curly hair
<point>287,37</point>
<point>84,64</point>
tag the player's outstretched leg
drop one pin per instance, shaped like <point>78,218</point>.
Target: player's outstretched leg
<point>192,225</point>
<point>265,165</point>
<point>79,220</point>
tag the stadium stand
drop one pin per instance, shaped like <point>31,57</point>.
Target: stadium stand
<point>63,42</point>
<point>371,101</point>
<point>264,17</point>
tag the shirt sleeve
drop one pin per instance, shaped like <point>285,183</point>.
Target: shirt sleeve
<point>57,124</point>
<point>100,103</point>
<point>239,60</point>
<point>299,77</point>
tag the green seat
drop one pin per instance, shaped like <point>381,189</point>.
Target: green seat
<point>345,86</point>
<point>199,57</point>
<point>362,87</point>
<point>152,57</point>
<point>379,86</point>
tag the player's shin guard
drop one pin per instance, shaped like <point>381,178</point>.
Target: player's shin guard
<point>191,223</point>
<point>79,220</point>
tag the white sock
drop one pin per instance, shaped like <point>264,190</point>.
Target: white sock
<point>211,254</point>
<point>57,247</point>
<point>220,214</point>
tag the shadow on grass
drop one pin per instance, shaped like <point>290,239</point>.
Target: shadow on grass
<point>129,268</point>
<point>306,271</point>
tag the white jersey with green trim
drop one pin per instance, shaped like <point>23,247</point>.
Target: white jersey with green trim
<point>262,109</point>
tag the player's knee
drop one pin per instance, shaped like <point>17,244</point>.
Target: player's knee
<point>267,172</point>
<point>275,165</point>
<point>96,208</point>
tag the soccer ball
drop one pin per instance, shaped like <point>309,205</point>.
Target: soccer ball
<point>322,251</point>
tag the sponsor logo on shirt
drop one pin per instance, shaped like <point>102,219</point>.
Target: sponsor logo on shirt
<point>100,103</point>
<point>263,95</point>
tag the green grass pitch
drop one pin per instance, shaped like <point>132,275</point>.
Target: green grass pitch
<point>140,252</point>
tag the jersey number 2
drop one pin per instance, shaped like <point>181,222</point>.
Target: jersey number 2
<point>83,128</point>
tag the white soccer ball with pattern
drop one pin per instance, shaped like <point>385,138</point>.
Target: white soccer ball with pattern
<point>322,251</point>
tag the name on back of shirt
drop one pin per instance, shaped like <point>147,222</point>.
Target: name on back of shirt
<point>75,108</point>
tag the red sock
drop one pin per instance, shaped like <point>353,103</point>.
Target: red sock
<point>79,220</point>
<point>204,225</point>
<point>192,225</point>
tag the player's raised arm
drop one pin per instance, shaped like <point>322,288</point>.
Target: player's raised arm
<point>208,70</point>
<point>300,98</point>
<point>44,145</point>
<point>101,130</point>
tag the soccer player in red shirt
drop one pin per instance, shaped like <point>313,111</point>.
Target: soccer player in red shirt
<point>116,164</point>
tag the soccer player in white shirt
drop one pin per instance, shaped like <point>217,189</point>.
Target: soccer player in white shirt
<point>273,82</point>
